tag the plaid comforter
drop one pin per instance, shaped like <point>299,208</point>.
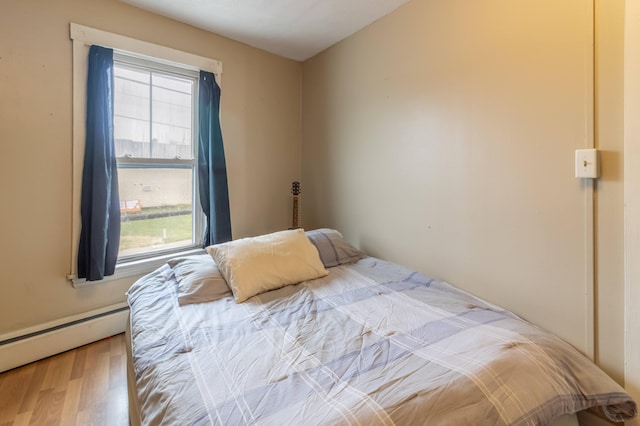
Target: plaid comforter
<point>371,343</point>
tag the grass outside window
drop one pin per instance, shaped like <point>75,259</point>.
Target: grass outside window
<point>153,231</point>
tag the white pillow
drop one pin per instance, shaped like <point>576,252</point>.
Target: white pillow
<point>199,279</point>
<point>255,265</point>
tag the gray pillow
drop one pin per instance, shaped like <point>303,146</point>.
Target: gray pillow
<point>199,279</point>
<point>334,250</point>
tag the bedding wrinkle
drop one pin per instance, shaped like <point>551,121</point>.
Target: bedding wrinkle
<point>372,343</point>
<point>335,375</point>
<point>487,317</point>
<point>317,381</point>
<point>203,391</point>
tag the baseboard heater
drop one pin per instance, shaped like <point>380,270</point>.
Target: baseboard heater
<point>35,343</point>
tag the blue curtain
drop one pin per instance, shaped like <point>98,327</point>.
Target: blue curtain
<point>100,206</point>
<point>212,169</point>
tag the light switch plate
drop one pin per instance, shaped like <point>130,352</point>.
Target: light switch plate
<point>587,163</point>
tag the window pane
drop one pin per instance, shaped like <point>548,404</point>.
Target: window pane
<point>153,121</point>
<point>132,112</point>
<point>156,207</point>
<point>172,117</point>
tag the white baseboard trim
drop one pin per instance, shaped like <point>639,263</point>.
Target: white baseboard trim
<point>35,343</point>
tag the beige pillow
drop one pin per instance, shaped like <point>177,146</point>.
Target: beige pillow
<point>255,265</point>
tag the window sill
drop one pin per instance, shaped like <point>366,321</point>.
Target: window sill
<point>134,268</point>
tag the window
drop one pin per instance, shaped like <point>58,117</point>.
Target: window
<point>155,106</point>
<point>155,143</point>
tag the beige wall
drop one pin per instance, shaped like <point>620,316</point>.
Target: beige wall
<point>632,198</point>
<point>609,201</point>
<point>443,137</point>
<point>260,121</point>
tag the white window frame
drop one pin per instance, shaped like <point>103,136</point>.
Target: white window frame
<point>198,216</point>
<point>83,37</point>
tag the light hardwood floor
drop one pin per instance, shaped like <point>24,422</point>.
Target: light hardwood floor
<point>84,386</point>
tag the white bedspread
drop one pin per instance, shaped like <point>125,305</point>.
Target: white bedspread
<point>371,343</point>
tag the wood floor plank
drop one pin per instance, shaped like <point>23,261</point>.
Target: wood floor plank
<point>95,415</point>
<point>48,408</point>
<point>59,371</point>
<point>13,389</point>
<point>79,362</point>
<point>103,345</point>
<point>118,413</point>
<point>118,403</point>
<point>40,407</point>
<point>96,380</point>
<point>31,396</point>
<point>85,386</point>
<point>117,345</point>
<point>117,369</point>
<point>71,403</point>
<point>22,419</point>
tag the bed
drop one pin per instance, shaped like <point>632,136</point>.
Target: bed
<point>364,342</point>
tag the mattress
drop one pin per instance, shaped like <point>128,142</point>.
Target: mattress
<point>371,343</point>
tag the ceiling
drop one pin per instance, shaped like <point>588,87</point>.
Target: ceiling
<point>295,29</point>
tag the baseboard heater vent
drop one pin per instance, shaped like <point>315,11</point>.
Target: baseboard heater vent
<point>35,343</point>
